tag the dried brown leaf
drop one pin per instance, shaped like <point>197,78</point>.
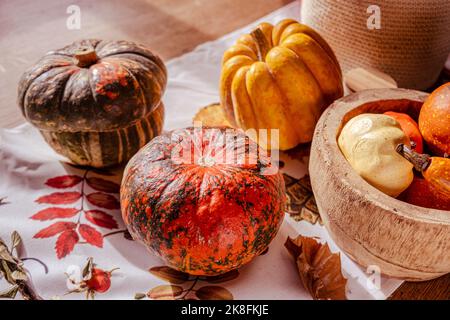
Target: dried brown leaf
<point>19,275</point>
<point>308,215</point>
<point>212,116</point>
<point>288,180</point>
<point>11,268</point>
<point>10,293</point>
<point>213,293</point>
<point>319,268</point>
<point>16,240</point>
<point>87,269</point>
<point>301,204</point>
<point>165,292</point>
<point>6,271</point>
<point>5,254</point>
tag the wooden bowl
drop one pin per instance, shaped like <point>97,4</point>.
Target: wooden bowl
<point>403,240</point>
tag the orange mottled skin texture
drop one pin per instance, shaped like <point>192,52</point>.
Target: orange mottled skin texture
<point>434,120</point>
<point>438,175</point>
<point>202,215</point>
<point>420,193</point>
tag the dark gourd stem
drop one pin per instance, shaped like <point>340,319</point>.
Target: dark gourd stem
<point>86,57</point>
<point>261,43</point>
<point>420,161</point>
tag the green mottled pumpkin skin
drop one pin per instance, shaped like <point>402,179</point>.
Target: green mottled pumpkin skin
<point>111,101</point>
<point>200,215</point>
<point>106,148</point>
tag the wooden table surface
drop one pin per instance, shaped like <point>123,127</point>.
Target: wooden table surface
<point>28,29</point>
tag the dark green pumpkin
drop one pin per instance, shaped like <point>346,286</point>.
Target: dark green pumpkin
<point>96,102</point>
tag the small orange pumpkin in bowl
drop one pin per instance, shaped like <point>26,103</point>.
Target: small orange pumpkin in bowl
<point>434,120</point>
<point>406,241</point>
<point>420,193</point>
<point>435,170</point>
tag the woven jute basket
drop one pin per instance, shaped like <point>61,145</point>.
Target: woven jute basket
<point>411,45</point>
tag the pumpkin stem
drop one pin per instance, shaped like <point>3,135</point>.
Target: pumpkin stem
<point>262,45</point>
<point>86,57</point>
<point>420,161</point>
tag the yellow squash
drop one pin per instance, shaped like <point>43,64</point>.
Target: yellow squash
<point>280,77</point>
<point>369,143</point>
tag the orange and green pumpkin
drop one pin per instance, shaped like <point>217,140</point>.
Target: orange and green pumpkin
<point>96,102</point>
<point>203,214</point>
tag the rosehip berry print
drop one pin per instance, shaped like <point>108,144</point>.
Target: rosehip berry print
<point>91,280</point>
<point>80,213</point>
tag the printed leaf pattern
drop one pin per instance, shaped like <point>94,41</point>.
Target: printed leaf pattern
<point>54,213</point>
<point>91,235</point>
<point>213,293</point>
<point>101,219</point>
<point>103,200</point>
<point>165,292</point>
<point>301,204</point>
<point>100,184</point>
<point>69,232</point>
<point>64,181</point>
<point>66,242</point>
<point>60,198</point>
<point>319,269</point>
<point>183,286</point>
<point>55,229</point>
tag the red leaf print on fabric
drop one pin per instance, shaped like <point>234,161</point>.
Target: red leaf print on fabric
<point>101,219</point>
<point>54,229</point>
<point>100,184</point>
<point>66,242</point>
<point>55,213</point>
<point>103,200</point>
<point>64,181</point>
<point>60,198</point>
<point>91,235</point>
<point>69,233</point>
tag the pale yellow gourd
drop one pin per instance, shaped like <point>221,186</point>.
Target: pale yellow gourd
<point>368,142</point>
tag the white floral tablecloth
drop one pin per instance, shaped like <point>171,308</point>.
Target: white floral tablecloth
<point>32,180</point>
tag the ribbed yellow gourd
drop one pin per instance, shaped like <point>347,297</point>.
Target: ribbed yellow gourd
<point>280,77</point>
